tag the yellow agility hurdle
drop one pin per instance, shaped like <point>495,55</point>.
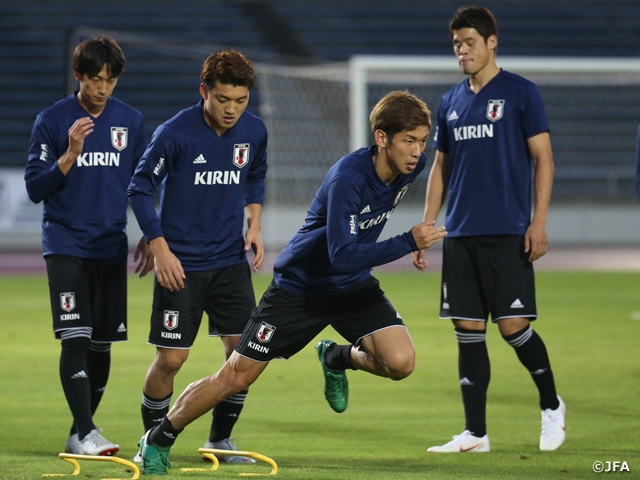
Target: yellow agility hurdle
<point>73,460</point>
<point>211,453</point>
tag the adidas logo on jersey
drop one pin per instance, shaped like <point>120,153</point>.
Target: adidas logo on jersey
<point>366,209</point>
<point>200,159</point>
<point>122,328</point>
<point>80,374</point>
<point>452,116</point>
<point>465,381</point>
<point>517,304</point>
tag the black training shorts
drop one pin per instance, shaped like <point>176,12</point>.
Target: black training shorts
<point>88,294</point>
<point>487,275</point>
<point>284,323</point>
<point>225,294</point>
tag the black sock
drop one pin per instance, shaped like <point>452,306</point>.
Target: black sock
<point>75,382</point>
<point>225,416</point>
<point>153,410</point>
<point>98,365</point>
<point>533,355</point>
<point>338,357</point>
<point>474,370</point>
<point>163,435</point>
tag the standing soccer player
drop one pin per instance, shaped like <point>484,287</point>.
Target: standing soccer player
<point>83,152</point>
<point>492,132</point>
<point>323,277</point>
<point>212,160</point>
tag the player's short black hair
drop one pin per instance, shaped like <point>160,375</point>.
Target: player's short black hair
<point>229,67</point>
<point>91,55</point>
<point>476,17</point>
<point>398,111</point>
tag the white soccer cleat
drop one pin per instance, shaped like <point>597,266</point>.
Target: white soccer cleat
<point>96,444</point>
<point>465,442</point>
<point>137,458</point>
<point>73,445</point>
<point>227,444</point>
<point>553,434</point>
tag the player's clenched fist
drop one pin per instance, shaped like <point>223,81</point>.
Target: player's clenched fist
<point>426,234</point>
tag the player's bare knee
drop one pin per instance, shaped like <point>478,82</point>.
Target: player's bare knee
<point>169,361</point>
<point>399,374</point>
<point>401,366</point>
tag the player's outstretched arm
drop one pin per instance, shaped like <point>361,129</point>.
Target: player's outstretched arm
<point>144,256</point>
<point>168,268</point>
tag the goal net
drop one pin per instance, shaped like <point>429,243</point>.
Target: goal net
<point>316,115</point>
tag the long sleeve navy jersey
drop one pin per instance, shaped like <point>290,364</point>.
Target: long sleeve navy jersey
<point>85,211</point>
<point>338,244</point>
<point>207,180</point>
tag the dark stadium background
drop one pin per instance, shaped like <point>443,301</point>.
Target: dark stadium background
<point>38,36</point>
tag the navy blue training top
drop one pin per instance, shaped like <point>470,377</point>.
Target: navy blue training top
<point>490,165</point>
<point>207,181</point>
<point>85,211</point>
<point>337,245</point>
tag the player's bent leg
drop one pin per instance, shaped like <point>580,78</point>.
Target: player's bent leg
<point>235,376</point>
<point>387,353</point>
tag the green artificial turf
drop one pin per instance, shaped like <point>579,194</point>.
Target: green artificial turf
<point>590,322</point>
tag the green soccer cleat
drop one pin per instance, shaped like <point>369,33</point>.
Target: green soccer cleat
<point>155,459</point>
<point>336,386</point>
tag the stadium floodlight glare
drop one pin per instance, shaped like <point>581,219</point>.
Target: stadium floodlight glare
<point>73,460</point>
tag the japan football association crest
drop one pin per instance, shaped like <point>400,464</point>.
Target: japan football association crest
<point>401,194</point>
<point>240,154</point>
<point>171,319</point>
<point>68,301</point>
<point>495,109</point>
<point>119,138</point>
<point>265,332</point>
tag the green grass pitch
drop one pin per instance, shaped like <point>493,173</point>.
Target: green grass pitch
<point>590,322</point>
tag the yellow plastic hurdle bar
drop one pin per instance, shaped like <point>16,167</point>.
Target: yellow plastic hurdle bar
<point>73,460</point>
<point>211,453</point>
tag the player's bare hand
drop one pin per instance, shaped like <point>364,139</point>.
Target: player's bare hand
<point>169,271</point>
<point>78,132</point>
<point>536,241</point>
<point>419,261</point>
<point>426,234</point>
<point>253,241</point>
<point>144,257</point>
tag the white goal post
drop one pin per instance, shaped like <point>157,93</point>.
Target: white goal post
<point>363,68</point>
